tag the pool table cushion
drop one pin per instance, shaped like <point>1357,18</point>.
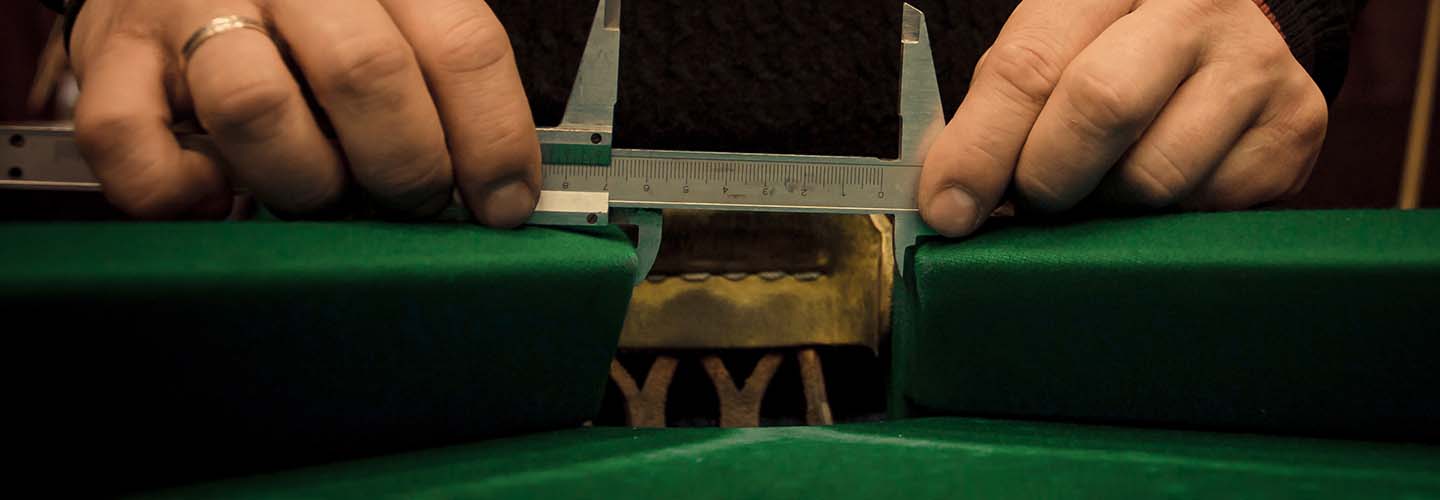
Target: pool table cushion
<point>1306,322</point>
<point>151,353</point>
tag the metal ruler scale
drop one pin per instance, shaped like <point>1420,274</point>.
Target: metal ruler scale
<point>760,183</point>
<point>587,182</point>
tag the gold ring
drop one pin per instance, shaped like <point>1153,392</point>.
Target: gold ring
<point>221,25</point>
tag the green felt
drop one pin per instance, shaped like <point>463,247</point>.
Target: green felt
<point>1308,322</point>
<point>911,459</point>
<point>164,352</point>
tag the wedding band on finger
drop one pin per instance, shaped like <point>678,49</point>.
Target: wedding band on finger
<point>218,26</point>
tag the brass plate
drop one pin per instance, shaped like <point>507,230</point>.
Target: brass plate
<point>745,280</point>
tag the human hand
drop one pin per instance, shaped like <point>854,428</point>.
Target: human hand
<point>1127,103</point>
<point>423,96</point>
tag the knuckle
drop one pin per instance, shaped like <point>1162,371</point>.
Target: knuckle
<point>254,107</point>
<point>365,65</point>
<point>1156,180</point>
<point>1101,102</point>
<point>1230,198</point>
<point>305,194</point>
<point>1258,181</point>
<point>1273,54</point>
<point>98,132</point>
<point>1239,86</point>
<point>511,149</point>
<point>988,148</point>
<point>1301,122</point>
<point>412,185</point>
<point>1039,192</point>
<point>154,201</point>
<point>1312,116</point>
<point>1025,67</point>
<point>1301,178</point>
<point>321,196</point>
<point>1269,189</point>
<point>473,43</point>
<point>131,179</point>
<point>979,63</point>
<point>137,190</point>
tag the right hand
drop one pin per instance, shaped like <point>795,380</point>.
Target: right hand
<point>424,96</point>
<point>1125,104</point>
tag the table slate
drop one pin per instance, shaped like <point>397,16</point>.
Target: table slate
<point>153,353</point>
<point>1323,323</point>
<point>913,459</point>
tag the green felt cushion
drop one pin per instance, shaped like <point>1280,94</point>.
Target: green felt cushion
<point>924,458</point>
<point>161,352</point>
<point>1311,322</point>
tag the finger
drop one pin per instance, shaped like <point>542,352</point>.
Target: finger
<point>970,165</point>
<point>252,106</point>
<point>122,126</point>
<point>1200,124</point>
<point>365,76</point>
<point>1107,96</point>
<point>466,57</point>
<point>1272,160</point>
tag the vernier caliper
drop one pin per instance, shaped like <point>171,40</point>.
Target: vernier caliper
<point>589,183</point>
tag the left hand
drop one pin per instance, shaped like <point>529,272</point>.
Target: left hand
<point>423,96</point>
<point>1131,103</point>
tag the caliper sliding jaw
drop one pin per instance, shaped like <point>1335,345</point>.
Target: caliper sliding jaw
<point>585,131</point>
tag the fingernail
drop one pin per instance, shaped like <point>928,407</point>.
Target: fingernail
<point>507,205</point>
<point>953,212</point>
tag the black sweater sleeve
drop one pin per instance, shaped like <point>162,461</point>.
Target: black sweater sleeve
<point>1318,32</point>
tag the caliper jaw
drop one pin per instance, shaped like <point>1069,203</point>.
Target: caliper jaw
<point>648,225</point>
<point>584,137</point>
<point>584,134</point>
<point>578,209</point>
<point>922,119</point>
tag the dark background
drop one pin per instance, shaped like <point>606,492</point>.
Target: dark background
<point>822,78</point>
